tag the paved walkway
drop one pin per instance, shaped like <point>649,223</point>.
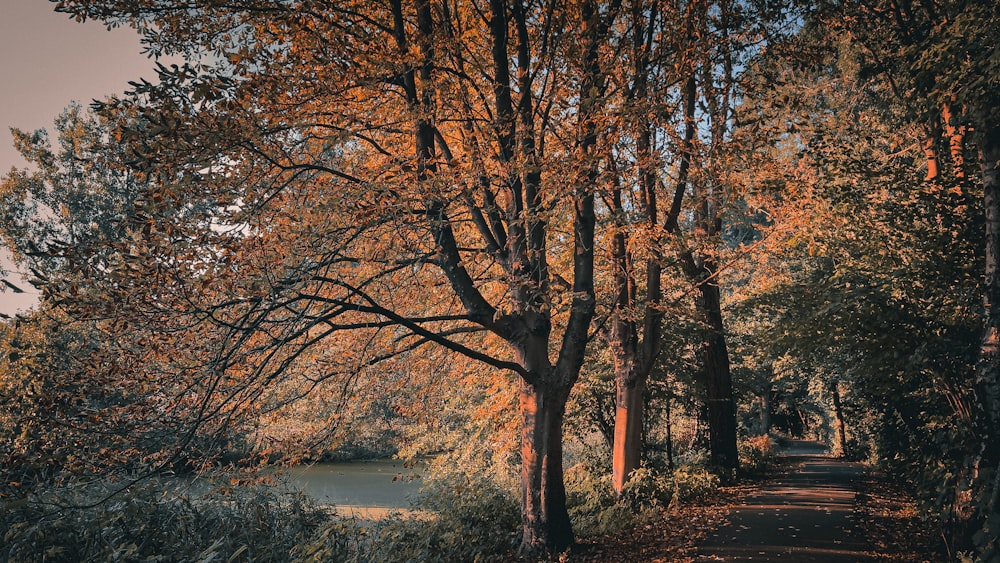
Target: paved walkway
<point>806,515</point>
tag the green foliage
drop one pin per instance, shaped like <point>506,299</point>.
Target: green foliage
<point>591,502</point>
<point>649,490</point>
<point>66,216</point>
<point>691,482</point>
<point>150,522</point>
<point>757,454</point>
<point>472,519</point>
<point>460,518</point>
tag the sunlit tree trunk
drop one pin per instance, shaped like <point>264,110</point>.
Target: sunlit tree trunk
<point>545,520</point>
<point>627,451</point>
<point>544,386</point>
<point>634,353</point>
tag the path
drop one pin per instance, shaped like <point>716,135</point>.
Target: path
<point>806,515</point>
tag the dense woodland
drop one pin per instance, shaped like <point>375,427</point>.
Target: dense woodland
<point>578,256</point>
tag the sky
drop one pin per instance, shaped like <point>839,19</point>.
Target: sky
<point>47,60</point>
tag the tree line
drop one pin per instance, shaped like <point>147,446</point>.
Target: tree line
<point>333,195</point>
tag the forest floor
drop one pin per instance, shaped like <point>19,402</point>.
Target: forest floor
<point>812,508</point>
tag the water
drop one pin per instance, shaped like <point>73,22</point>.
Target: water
<point>359,488</point>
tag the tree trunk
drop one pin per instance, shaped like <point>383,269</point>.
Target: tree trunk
<point>718,380</point>
<point>840,446</point>
<point>545,519</point>
<point>765,411</point>
<point>932,131</point>
<point>988,367</point>
<point>627,450</point>
<point>635,350</point>
<point>670,433</point>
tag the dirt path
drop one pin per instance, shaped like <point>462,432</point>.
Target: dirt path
<point>806,515</point>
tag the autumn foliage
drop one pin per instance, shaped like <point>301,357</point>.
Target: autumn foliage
<point>432,223</point>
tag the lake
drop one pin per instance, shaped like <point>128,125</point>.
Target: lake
<point>368,489</point>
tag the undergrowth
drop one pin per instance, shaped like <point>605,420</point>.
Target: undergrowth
<point>151,522</point>
<point>458,517</point>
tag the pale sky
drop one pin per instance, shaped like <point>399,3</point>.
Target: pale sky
<point>47,60</point>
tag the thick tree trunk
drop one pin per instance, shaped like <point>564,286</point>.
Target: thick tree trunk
<point>627,450</point>
<point>718,381</point>
<point>545,519</point>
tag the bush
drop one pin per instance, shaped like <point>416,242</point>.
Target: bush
<point>758,454</point>
<point>649,490</point>
<point>591,502</point>
<point>466,518</point>
<point>156,523</point>
<point>859,450</point>
<point>594,509</point>
<point>692,482</point>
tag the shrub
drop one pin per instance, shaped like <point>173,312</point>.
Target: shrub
<point>757,454</point>
<point>472,519</point>
<point>646,489</point>
<point>466,518</point>
<point>591,502</point>
<point>692,482</point>
<point>649,490</point>
<point>153,522</point>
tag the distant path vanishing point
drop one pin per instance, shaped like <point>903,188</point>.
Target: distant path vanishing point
<point>806,515</point>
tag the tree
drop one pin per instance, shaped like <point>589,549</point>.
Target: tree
<point>679,156</point>
<point>397,173</point>
<point>75,203</point>
<point>341,179</point>
<point>92,398</point>
<point>880,294</point>
<point>940,60</point>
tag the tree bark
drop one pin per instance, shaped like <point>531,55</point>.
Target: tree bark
<point>765,411</point>
<point>718,379</point>
<point>988,366</point>
<point>545,518</point>
<point>627,452</point>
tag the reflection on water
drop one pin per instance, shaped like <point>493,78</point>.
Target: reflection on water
<point>363,488</point>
